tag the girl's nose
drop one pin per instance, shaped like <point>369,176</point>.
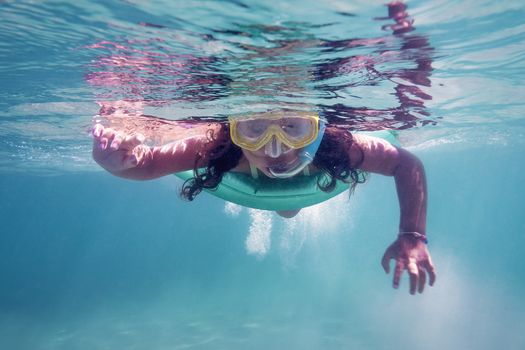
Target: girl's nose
<point>273,148</point>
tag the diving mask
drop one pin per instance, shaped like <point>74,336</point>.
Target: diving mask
<point>292,130</point>
<point>280,133</point>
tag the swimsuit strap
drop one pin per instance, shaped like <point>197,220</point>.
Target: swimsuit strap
<point>306,170</point>
<point>253,170</point>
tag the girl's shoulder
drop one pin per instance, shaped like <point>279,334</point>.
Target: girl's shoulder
<point>379,152</point>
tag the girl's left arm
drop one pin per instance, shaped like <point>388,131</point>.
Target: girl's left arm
<point>409,249</point>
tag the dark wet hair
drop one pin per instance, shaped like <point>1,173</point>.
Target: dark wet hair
<point>333,158</point>
<point>220,154</point>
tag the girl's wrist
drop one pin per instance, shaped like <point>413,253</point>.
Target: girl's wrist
<point>413,234</point>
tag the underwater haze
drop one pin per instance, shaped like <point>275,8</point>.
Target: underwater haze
<point>91,261</point>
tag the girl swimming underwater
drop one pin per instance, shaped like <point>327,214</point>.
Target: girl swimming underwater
<point>282,160</point>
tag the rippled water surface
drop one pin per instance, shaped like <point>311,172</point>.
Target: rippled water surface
<point>94,262</point>
<point>449,66</point>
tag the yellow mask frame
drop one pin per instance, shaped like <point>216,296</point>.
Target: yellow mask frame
<point>274,129</point>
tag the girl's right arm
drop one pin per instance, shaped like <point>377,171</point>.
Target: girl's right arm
<point>127,156</point>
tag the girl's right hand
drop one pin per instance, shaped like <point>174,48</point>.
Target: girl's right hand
<point>115,151</point>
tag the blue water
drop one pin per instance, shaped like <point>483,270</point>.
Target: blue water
<point>90,261</point>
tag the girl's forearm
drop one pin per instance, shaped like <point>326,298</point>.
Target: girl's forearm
<point>412,193</point>
<point>164,160</point>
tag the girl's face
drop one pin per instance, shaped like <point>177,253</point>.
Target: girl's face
<point>275,142</point>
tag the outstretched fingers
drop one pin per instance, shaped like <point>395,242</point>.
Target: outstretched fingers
<point>115,143</point>
<point>129,142</point>
<point>103,136</point>
<point>416,273</point>
<point>415,259</point>
<point>413,274</point>
<point>117,151</point>
<point>134,140</point>
<point>108,138</point>
<point>429,267</point>
<point>400,266</point>
<point>389,255</point>
<point>422,279</point>
<point>97,131</point>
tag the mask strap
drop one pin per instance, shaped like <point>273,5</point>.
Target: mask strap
<point>310,150</point>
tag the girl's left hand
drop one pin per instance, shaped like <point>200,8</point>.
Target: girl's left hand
<point>410,253</point>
